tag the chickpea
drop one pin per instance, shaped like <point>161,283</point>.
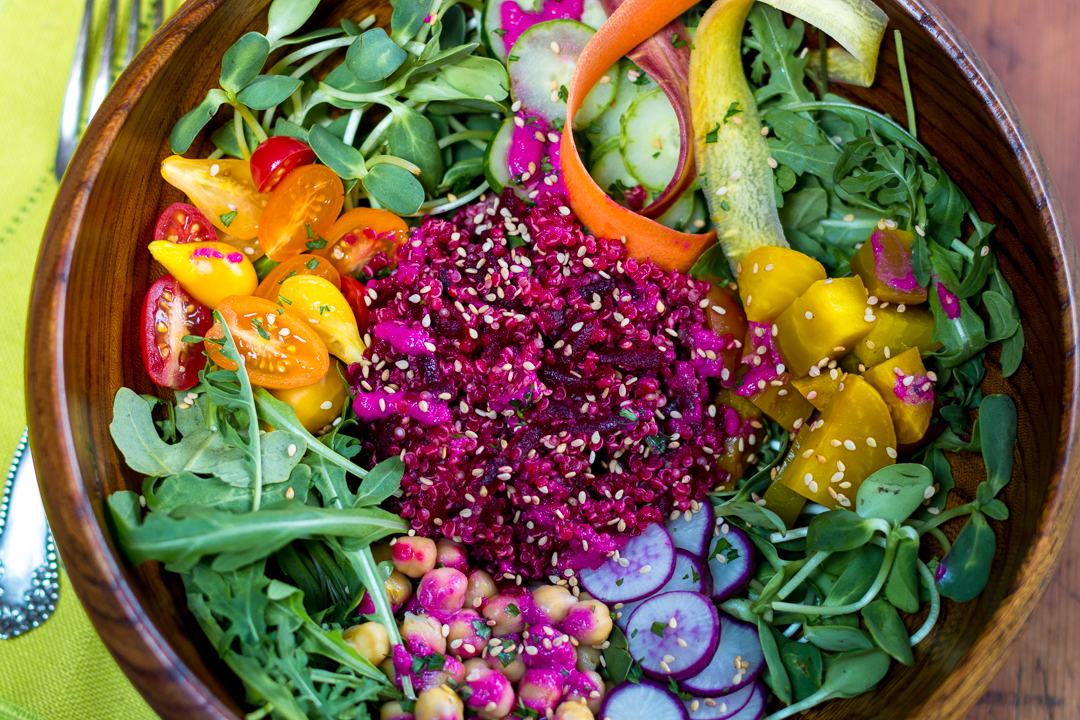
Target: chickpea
<point>574,710</point>
<point>504,656</point>
<point>490,694</point>
<point>388,669</point>
<point>505,610</point>
<point>554,601</point>
<point>468,634</point>
<point>481,587</point>
<point>548,648</point>
<point>442,590</point>
<point>398,588</point>
<point>370,639</point>
<point>413,555</point>
<point>540,690</point>
<point>589,622</point>
<point>439,703</point>
<point>422,635</point>
<point>394,711</point>
<point>473,664</point>
<point>451,554</point>
<point>586,687</point>
<point>588,658</point>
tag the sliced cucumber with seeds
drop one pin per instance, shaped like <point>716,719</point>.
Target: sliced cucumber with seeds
<point>650,140</point>
<point>678,216</point>
<point>542,66</point>
<point>610,121</point>
<point>592,14</point>
<point>608,170</point>
<point>496,158</point>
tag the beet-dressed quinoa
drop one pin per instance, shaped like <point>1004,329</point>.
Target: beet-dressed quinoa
<point>537,384</point>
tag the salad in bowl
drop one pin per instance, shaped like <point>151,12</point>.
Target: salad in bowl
<point>576,359</point>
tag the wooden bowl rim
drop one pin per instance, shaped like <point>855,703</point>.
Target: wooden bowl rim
<point>63,485</point>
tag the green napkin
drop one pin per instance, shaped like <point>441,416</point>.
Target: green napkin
<point>61,671</point>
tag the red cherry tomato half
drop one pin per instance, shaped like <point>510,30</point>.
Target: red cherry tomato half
<point>183,223</point>
<point>168,314</point>
<point>354,293</point>
<point>276,158</point>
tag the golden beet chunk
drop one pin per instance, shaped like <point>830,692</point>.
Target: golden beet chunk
<point>853,439</point>
<point>780,400</point>
<point>770,278</point>
<point>820,390</point>
<point>884,264</point>
<point>824,323</point>
<point>896,331</point>
<point>908,391</point>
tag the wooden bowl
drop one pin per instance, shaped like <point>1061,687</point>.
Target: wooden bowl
<point>94,269</point>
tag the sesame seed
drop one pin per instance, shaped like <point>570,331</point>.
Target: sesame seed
<point>736,175</point>
<point>721,191</point>
<point>891,452</point>
<point>849,444</point>
<point>554,47</point>
<point>809,315</point>
<point>645,569</point>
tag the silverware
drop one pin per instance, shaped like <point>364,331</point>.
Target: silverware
<point>29,569</point>
<point>29,573</point>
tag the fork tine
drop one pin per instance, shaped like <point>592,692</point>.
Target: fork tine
<point>104,79</point>
<point>74,95</point>
<point>133,32</point>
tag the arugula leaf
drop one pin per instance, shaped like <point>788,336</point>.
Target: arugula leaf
<point>778,49</point>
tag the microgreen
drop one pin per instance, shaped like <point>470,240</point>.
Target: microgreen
<point>227,218</point>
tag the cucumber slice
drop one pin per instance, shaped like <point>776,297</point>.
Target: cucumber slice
<point>592,14</point>
<point>609,169</point>
<point>610,121</point>
<point>496,163</point>
<point>539,75</point>
<point>677,217</point>
<point>650,140</point>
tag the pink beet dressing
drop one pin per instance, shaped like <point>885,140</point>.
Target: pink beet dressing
<point>949,302</point>
<point>425,410</point>
<point>515,21</point>
<point>403,339</point>
<point>531,146</point>
<point>893,267</point>
<point>762,364</point>
<point>919,391</point>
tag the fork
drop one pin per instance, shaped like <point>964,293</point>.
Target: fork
<point>29,570</point>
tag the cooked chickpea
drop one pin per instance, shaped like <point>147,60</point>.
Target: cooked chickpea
<point>439,703</point>
<point>575,710</point>
<point>414,555</point>
<point>473,664</point>
<point>554,601</point>
<point>370,639</point>
<point>394,711</point>
<point>422,635</point>
<point>589,622</point>
<point>388,669</point>
<point>468,634</point>
<point>481,587</point>
<point>442,590</point>
<point>505,611</point>
<point>398,588</point>
<point>451,554</point>
<point>506,659</point>
<point>540,690</point>
<point>490,694</point>
<point>588,658</point>
<point>586,687</point>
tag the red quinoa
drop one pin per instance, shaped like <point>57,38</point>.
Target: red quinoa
<point>536,383</point>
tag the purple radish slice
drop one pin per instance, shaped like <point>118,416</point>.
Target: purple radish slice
<point>723,707</point>
<point>696,534</point>
<point>655,629</point>
<point>650,562</point>
<point>731,562</point>
<point>754,709</point>
<point>738,640</point>
<point>645,700</point>
<point>691,574</point>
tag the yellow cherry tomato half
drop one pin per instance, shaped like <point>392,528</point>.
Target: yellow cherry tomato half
<point>280,350</point>
<point>301,211</point>
<point>209,271</point>
<point>324,307</point>
<point>359,235</point>
<point>222,189</point>
<point>319,404</point>
<point>299,265</point>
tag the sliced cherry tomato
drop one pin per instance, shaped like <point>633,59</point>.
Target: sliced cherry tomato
<point>276,158</point>
<point>249,246</point>
<point>280,350</point>
<point>168,314</point>
<point>354,293</point>
<point>301,211</point>
<point>222,189</point>
<point>270,286</point>
<point>183,223</point>
<point>359,235</point>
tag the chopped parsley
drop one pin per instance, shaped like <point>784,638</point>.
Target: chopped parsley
<point>658,628</point>
<point>725,550</point>
<point>629,414</point>
<point>658,443</point>
<point>259,326</point>
<point>732,111</point>
<point>312,264</point>
<point>291,274</point>
<point>227,218</point>
<point>619,582</point>
<point>434,661</point>
<point>513,58</point>
<point>499,31</point>
<point>314,241</point>
<point>713,135</point>
<point>513,610</point>
<point>677,42</point>
<point>656,154</point>
<point>641,79</point>
<point>282,300</point>
<point>323,309</point>
<point>564,94</point>
<point>726,206</point>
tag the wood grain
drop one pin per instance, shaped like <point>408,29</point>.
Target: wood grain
<point>94,267</point>
<point>1032,48</point>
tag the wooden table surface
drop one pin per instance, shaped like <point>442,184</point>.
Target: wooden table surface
<point>1032,46</point>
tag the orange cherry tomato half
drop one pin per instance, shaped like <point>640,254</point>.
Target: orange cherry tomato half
<point>275,158</point>
<point>359,235</point>
<point>280,350</point>
<point>299,265</point>
<point>301,211</point>
<point>354,293</point>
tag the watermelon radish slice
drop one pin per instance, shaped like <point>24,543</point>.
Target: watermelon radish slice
<point>655,629</point>
<point>754,709</point>
<point>721,708</point>
<point>691,574</point>
<point>738,640</point>
<point>641,568</point>
<point>731,562</point>
<point>645,700</point>
<point>695,534</point>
